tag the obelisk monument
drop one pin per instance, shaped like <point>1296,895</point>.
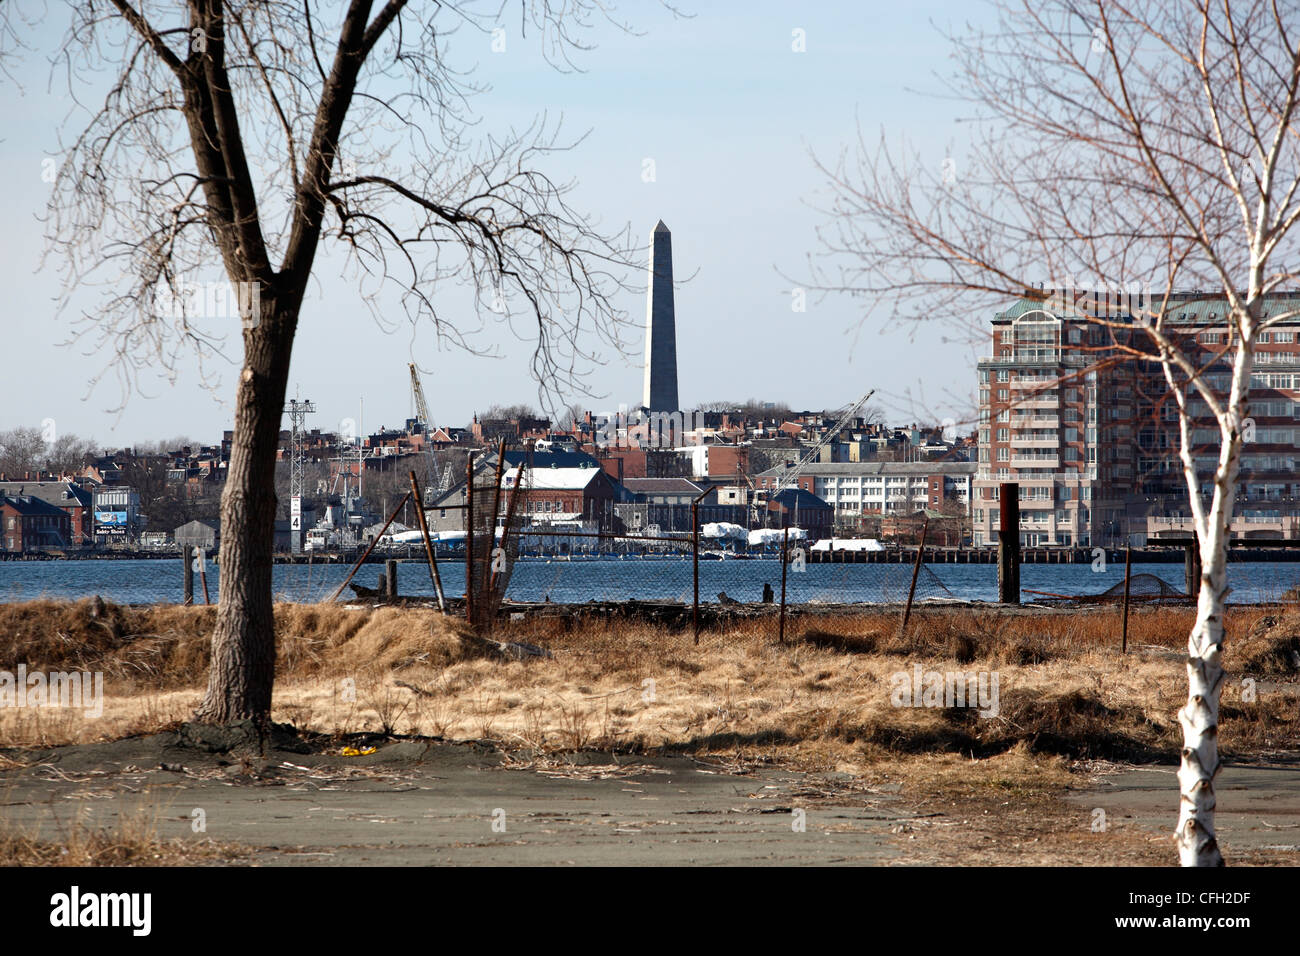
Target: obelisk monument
<point>660,326</point>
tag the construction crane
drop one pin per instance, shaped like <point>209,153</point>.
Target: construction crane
<point>791,476</point>
<point>422,416</point>
<point>421,406</point>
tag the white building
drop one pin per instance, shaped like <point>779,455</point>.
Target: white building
<point>882,487</point>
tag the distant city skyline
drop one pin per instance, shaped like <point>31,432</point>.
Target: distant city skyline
<point>704,123</point>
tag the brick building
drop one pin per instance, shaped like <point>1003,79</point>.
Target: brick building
<point>27,524</point>
<point>66,496</point>
<point>1094,445</point>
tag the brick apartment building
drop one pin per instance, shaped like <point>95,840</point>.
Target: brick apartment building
<point>27,523</point>
<point>66,496</point>
<point>1094,447</point>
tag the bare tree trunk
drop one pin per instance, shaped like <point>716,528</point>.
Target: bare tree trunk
<point>242,670</point>
<point>1197,845</point>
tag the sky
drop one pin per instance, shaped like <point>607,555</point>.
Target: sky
<point>728,111</point>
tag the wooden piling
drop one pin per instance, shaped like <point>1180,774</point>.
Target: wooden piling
<point>1009,543</point>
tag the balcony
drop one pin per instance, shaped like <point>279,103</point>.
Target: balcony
<point>1044,400</point>
<point>1035,421</point>
<point>1035,461</point>
<point>1034,442</point>
<point>1031,382</point>
<point>1037,504</point>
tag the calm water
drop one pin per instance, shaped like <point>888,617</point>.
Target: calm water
<point>145,581</point>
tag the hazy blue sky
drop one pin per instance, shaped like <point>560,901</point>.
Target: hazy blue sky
<point>727,111</point>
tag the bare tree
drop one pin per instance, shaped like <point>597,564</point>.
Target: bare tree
<point>507,413</point>
<point>67,454</point>
<point>26,450</point>
<point>1124,145</point>
<point>254,132</point>
<point>21,451</point>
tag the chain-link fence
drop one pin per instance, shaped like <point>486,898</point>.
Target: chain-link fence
<point>514,567</point>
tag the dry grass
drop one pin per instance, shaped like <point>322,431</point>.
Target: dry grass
<point>131,841</point>
<point>822,700</point>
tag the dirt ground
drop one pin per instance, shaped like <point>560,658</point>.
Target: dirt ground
<point>421,802</point>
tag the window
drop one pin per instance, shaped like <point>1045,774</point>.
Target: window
<point>1003,454</point>
<point>1003,434</point>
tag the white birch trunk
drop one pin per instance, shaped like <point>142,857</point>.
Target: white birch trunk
<point>1199,717</point>
<point>1197,845</point>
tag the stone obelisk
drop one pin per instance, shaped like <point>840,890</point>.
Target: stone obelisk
<point>660,326</point>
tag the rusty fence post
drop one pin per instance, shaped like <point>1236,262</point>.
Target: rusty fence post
<point>695,563</point>
<point>916,570</point>
<point>365,554</point>
<point>1128,574</point>
<point>469,540</point>
<point>785,561</point>
<point>428,543</point>
<point>187,561</point>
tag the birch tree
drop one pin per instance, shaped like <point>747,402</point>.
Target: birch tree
<point>1123,145</point>
<point>251,134</point>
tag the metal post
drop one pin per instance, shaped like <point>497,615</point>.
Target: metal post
<point>916,569</point>
<point>187,559</point>
<point>1128,571</point>
<point>695,552</point>
<point>390,568</point>
<point>785,560</point>
<point>1009,543</point>
<point>203,574</point>
<point>469,540</point>
<point>428,543</point>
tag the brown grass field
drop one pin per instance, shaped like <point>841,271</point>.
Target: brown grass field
<point>819,702</point>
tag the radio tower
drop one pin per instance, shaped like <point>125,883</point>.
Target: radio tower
<point>298,412</point>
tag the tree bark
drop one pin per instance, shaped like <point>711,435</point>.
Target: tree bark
<point>1199,717</point>
<point>242,669</point>
<point>1197,845</point>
